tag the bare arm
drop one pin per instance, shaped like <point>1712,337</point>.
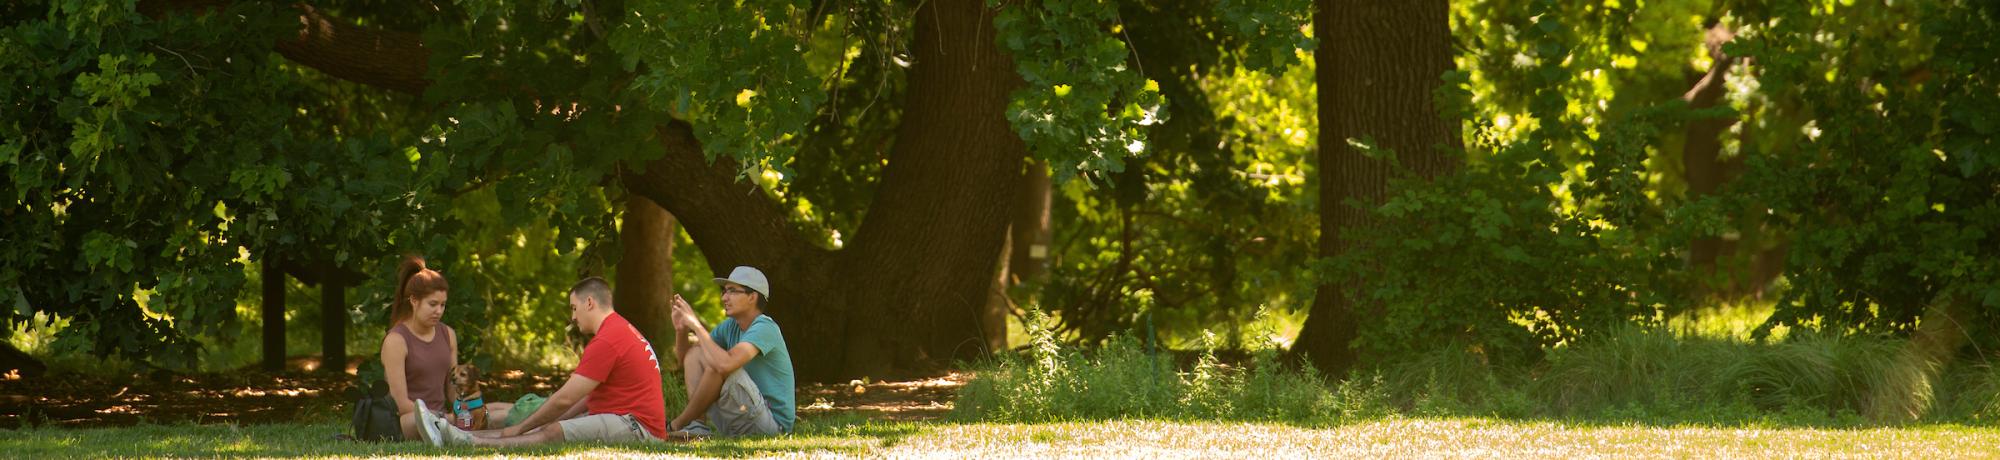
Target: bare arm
<point>565,402</point>
<point>725,362</point>
<point>714,356</point>
<point>680,343</point>
<point>682,328</point>
<point>576,409</point>
<point>394,351</point>
<point>451,338</point>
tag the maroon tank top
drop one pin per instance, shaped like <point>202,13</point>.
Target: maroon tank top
<point>428,365</point>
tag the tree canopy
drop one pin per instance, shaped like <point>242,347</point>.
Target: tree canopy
<point>1498,175</point>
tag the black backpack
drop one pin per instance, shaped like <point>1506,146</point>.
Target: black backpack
<point>375,414</point>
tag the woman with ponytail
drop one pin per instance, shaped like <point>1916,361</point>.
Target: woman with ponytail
<point>419,351</point>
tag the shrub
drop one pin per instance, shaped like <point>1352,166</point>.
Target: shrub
<point>1122,379</point>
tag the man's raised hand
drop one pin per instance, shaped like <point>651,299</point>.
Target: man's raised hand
<point>684,318</point>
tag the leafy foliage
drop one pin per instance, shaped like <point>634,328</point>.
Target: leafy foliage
<point>143,154</point>
<point>1080,91</point>
<point>1211,224</point>
<point>735,70</point>
<point>182,152</point>
<point>1549,239</point>
<point>1274,30</point>
<point>1572,218</point>
<point>153,158</point>
<point>152,161</point>
<point>1882,163</point>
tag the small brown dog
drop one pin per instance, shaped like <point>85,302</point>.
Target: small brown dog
<point>468,401</point>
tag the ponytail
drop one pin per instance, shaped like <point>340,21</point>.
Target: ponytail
<point>413,279</point>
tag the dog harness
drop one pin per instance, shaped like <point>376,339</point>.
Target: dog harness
<point>464,407</point>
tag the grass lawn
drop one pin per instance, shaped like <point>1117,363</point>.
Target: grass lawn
<point>857,437</point>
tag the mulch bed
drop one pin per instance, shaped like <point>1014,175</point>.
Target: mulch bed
<point>254,396</point>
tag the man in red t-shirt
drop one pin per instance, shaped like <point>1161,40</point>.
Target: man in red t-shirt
<point>614,395</point>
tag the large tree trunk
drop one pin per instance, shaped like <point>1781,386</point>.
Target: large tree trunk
<point>908,290</point>
<point>1737,268</point>
<point>735,223</point>
<point>315,269</point>
<point>1031,233</point>
<point>1701,153</point>
<point>645,287</point>
<point>274,313</point>
<point>333,326</point>
<point>1023,254</point>
<point>1378,63</point>
<point>932,238</point>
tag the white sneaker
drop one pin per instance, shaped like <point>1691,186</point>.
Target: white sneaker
<point>427,426</point>
<point>452,435</point>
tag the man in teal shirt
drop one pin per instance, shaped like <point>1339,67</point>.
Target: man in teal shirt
<point>739,376</point>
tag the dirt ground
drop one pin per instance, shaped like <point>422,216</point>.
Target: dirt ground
<point>254,396</point>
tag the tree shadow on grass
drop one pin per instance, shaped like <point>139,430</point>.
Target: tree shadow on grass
<point>839,436</point>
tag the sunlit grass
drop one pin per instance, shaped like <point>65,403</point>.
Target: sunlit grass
<point>854,437</point>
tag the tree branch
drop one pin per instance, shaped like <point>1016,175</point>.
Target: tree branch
<point>733,219</point>
<point>681,181</point>
<point>387,59</point>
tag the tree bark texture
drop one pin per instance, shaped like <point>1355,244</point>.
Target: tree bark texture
<point>1378,63</point>
<point>929,246</point>
<point>645,284</point>
<point>387,59</point>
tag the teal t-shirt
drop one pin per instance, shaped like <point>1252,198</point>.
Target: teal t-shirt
<point>771,370</point>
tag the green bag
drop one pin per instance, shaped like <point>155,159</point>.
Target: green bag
<point>524,407</point>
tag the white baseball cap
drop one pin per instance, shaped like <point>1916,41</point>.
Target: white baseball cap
<point>748,277</point>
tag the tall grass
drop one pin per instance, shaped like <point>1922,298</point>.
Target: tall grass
<point>1653,373</point>
<point>1649,374</point>
<point>1657,373</point>
<point>1452,380</point>
<point>1123,379</point>
<point>1974,395</point>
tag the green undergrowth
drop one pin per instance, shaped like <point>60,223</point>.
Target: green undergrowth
<point>1642,375</point>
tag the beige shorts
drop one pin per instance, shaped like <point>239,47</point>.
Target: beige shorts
<point>739,411</point>
<point>605,427</point>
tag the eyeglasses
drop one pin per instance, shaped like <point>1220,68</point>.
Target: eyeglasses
<point>737,291</point>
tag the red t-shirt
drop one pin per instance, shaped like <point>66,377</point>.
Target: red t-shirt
<point>628,375</point>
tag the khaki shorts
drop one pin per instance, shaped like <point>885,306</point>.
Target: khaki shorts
<point>739,411</point>
<point>605,427</point>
